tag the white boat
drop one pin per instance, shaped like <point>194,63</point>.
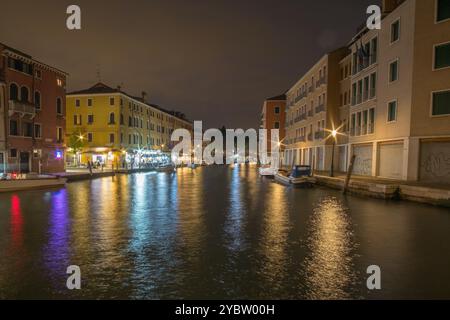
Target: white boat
<point>268,171</point>
<point>167,168</point>
<point>286,178</point>
<point>30,184</point>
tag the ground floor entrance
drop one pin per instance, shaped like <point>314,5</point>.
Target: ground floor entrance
<point>24,162</point>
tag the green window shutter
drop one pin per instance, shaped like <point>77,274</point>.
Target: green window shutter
<point>443,10</point>
<point>441,103</point>
<point>442,56</point>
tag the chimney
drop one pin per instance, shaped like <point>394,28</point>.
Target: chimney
<point>144,96</point>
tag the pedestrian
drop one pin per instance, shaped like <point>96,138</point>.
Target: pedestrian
<point>89,164</point>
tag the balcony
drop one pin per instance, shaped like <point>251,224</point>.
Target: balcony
<point>310,113</point>
<point>22,108</point>
<point>303,116</point>
<point>320,108</point>
<point>319,135</point>
<point>302,139</point>
<point>311,89</point>
<point>321,81</point>
<point>310,137</point>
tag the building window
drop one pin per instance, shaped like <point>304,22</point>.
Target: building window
<point>373,85</point>
<point>371,128</point>
<point>441,103</point>
<point>130,122</point>
<point>277,110</point>
<point>77,103</point>
<point>13,128</point>
<point>111,138</point>
<point>374,50</point>
<point>60,82</point>
<point>59,134</point>
<point>111,101</point>
<point>77,120</point>
<point>13,92</point>
<point>112,118</point>
<point>59,109</point>
<point>442,56</point>
<point>24,94</point>
<point>37,100</point>
<point>37,131</point>
<point>38,74</point>
<point>13,153</point>
<point>443,10</point>
<point>395,31</point>
<point>121,120</point>
<point>90,119</point>
<point>89,102</point>
<point>90,136</point>
<point>277,125</point>
<point>393,71</point>
<point>392,111</point>
<point>27,128</point>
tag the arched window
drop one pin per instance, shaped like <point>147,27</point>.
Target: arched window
<point>37,99</point>
<point>13,92</point>
<point>59,106</point>
<point>112,118</point>
<point>24,95</point>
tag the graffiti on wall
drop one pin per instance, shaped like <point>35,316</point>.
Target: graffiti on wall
<point>363,160</point>
<point>435,162</point>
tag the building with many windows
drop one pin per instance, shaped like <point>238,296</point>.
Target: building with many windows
<point>400,112</point>
<point>32,112</point>
<point>394,99</point>
<point>108,126</point>
<point>312,112</point>
<point>273,116</point>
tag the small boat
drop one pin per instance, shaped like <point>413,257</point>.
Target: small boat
<point>299,176</point>
<point>268,171</point>
<point>166,168</point>
<point>42,182</point>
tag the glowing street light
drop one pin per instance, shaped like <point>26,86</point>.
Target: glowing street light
<point>333,134</point>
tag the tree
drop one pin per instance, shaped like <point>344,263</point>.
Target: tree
<point>76,142</point>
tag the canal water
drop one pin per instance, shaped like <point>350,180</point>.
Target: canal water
<point>218,233</point>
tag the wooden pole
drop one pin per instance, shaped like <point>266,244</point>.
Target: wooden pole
<point>349,173</point>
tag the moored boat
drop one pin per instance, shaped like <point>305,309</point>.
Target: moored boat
<point>299,176</point>
<point>268,171</point>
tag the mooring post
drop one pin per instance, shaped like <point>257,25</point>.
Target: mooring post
<point>349,173</point>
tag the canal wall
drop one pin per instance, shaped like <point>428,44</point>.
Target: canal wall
<point>31,184</point>
<point>389,190</point>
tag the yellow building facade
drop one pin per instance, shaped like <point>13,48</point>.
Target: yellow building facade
<point>110,127</point>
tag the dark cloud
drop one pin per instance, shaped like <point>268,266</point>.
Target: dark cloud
<point>213,60</point>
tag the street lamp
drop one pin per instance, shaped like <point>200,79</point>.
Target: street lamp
<point>333,134</point>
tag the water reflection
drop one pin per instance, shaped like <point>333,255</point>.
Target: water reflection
<point>329,267</point>
<point>57,251</point>
<point>217,232</point>
<point>16,223</point>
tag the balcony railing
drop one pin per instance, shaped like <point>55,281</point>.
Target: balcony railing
<point>311,89</point>
<point>310,113</point>
<point>303,116</point>
<point>310,137</point>
<point>24,108</point>
<point>322,80</point>
<point>320,108</point>
<point>319,134</point>
<point>302,139</point>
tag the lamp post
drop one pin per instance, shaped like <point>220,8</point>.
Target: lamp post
<point>333,134</point>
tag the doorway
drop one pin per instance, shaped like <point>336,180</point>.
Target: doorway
<point>24,162</point>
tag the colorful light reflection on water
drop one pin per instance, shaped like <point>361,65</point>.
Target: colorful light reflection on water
<point>217,232</point>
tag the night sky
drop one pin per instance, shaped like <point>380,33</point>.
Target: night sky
<point>214,60</point>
